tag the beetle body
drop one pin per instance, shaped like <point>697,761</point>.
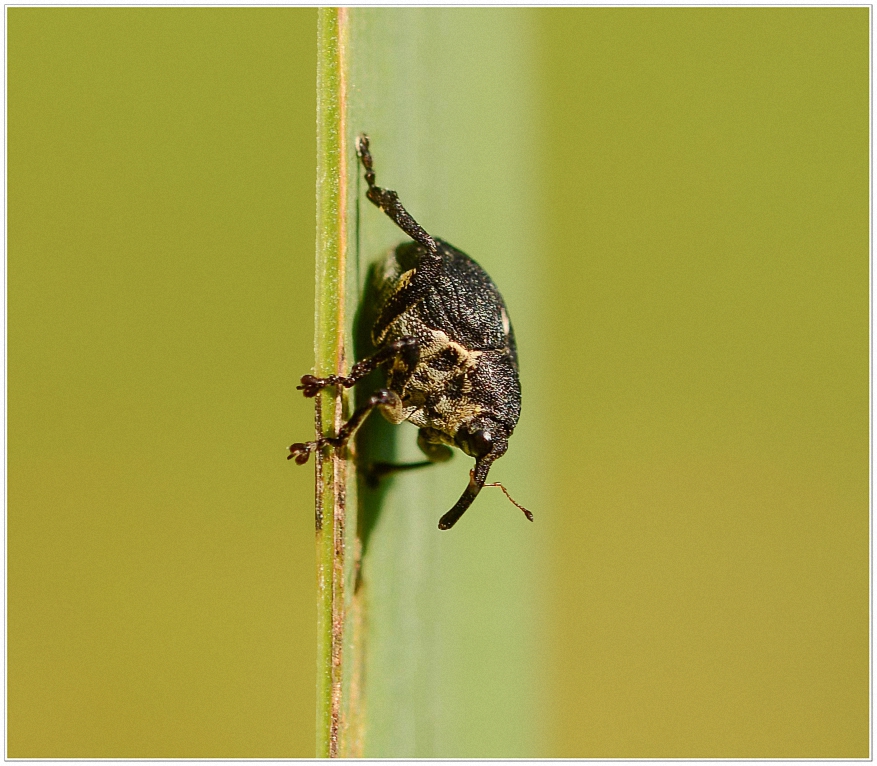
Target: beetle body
<point>467,370</point>
<point>444,339</point>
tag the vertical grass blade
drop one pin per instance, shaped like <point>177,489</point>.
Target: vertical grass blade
<point>438,628</point>
<point>331,469</point>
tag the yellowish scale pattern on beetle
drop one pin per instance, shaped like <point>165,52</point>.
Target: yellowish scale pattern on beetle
<point>441,361</point>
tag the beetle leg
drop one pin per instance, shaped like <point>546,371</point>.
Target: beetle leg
<point>429,265</point>
<point>406,348</point>
<point>436,452</point>
<point>382,398</point>
<point>388,201</point>
<point>377,471</point>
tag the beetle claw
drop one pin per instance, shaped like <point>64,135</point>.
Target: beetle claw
<point>301,451</point>
<point>310,385</point>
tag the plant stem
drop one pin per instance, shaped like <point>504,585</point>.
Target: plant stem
<point>331,470</point>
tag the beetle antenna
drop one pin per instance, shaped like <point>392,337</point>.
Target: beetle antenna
<point>514,502</point>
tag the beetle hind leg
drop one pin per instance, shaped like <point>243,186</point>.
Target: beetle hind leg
<point>388,201</point>
<point>430,261</point>
<point>435,451</point>
<point>430,443</point>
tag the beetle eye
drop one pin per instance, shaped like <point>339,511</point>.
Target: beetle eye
<point>482,443</point>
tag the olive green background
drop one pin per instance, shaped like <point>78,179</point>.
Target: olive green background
<point>702,396</point>
<point>160,282</point>
<point>708,170</point>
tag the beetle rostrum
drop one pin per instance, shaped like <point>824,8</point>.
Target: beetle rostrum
<point>444,339</point>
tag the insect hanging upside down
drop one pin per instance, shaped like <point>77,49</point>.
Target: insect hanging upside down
<point>444,338</point>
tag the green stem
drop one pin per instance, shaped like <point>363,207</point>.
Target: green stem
<point>329,352</point>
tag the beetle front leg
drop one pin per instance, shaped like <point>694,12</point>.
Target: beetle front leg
<point>407,348</point>
<point>383,399</point>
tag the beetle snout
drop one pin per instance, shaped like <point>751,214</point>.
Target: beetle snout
<point>477,477</point>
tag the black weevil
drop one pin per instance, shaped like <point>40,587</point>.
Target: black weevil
<point>444,338</point>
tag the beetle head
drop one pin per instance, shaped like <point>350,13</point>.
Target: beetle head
<point>485,439</point>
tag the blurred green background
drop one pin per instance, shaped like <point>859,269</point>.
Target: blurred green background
<point>695,365</point>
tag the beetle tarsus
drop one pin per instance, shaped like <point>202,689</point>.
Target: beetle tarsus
<point>312,385</point>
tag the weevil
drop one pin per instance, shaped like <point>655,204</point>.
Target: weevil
<point>444,339</point>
